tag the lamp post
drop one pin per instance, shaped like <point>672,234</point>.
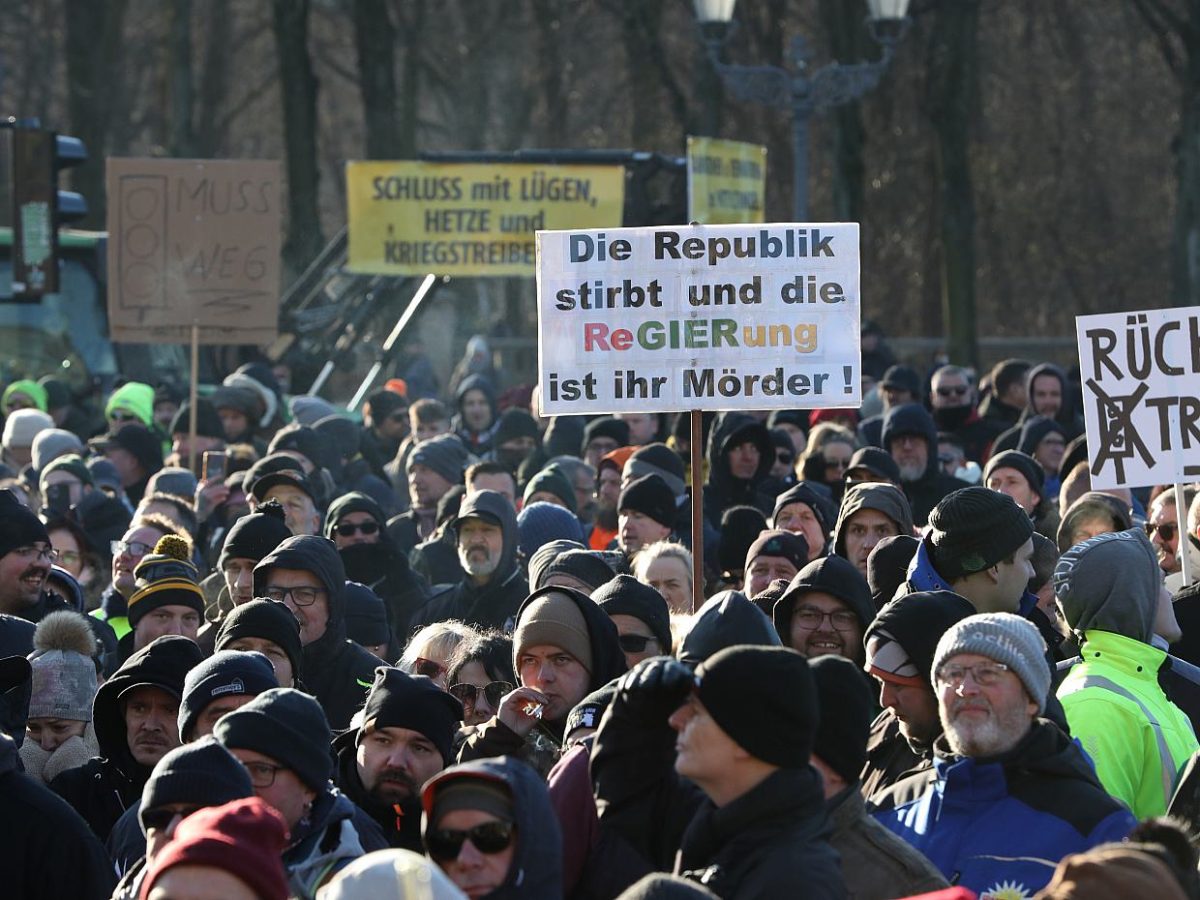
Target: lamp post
<point>805,94</point>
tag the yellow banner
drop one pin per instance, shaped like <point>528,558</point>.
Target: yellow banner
<point>411,218</point>
<point>727,181</point>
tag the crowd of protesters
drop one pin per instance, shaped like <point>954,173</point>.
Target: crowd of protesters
<point>442,646</point>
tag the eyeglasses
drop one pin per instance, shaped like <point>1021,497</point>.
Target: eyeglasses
<point>161,819</point>
<point>985,674</point>
<point>301,596</point>
<point>70,557</point>
<point>837,464</point>
<point>784,458</point>
<point>810,617</point>
<point>133,548</point>
<point>349,529</point>
<point>49,554</point>
<point>493,692</point>
<point>633,643</point>
<point>262,775</point>
<point>1166,530</point>
<point>120,416</point>
<point>430,668</point>
<point>490,837</point>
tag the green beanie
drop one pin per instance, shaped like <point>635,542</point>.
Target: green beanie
<point>30,389</point>
<point>133,397</point>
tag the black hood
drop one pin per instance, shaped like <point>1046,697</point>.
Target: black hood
<point>355,501</point>
<point>608,660</point>
<point>727,619</point>
<point>495,508</point>
<point>319,556</point>
<point>813,495</point>
<point>16,687</point>
<point>163,663</point>
<point>917,622</point>
<point>536,870</point>
<point>1066,413</point>
<point>886,498</point>
<point>830,575</point>
<point>730,429</point>
<point>911,418</point>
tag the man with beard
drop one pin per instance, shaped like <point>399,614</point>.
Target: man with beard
<point>1009,793</point>
<point>434,466</point>
<point>406,736</point>
<point>952,397</point>
<point>492,585</point>
<point>825,609</point>
<point>910,436</point>
<point>870,512</point>
<point>357,526</point>
<point>608,492</point>
<point>135,715</point>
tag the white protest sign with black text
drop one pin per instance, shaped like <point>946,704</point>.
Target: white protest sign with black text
<point>1141,396</point>
<point>673,318</point>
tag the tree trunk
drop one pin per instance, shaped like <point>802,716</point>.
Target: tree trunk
<point>410,84</point>
<point>1185,244</point>
<point>953,76</point>
<point>214,81</point>
<point>298,90</point>
<point>844,24</point>
<point>182,140</point>
<point>375,39</point>
<point>93,84</point>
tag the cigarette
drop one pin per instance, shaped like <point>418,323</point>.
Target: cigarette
<point>533,710</point>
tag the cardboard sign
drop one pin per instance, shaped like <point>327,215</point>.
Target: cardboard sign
<point>727,181</point>
<point>669,318</point>
<point>413,218</point>
<point>193,242</point>
<point>1140,396</point>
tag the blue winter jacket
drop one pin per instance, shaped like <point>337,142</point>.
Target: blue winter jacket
<point>1003,824</point>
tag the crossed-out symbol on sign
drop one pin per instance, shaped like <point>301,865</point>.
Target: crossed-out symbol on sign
<point>1118,439</point>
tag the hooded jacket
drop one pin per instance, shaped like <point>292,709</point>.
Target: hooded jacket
<point>1066,416</point>
<point>337,671</point>
<point>494,738</point>
<point>884,498</point>
<point>104,787</point>
<point>333,835</point>
<point>380,567</point>
<point>830,575</point>
<point>536,869</point>
<point>478,442</point>
<point>1138,739</point>
<point>987,823</point>
<point>721,489</point>
<point>495,603</point>
<point>924,493</point>
<point>47,850</point>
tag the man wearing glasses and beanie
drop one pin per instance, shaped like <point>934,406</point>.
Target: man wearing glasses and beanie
<point>307,575</point>
<point>405,737</point>
<point>1009,794</point>
<point>282,738</point>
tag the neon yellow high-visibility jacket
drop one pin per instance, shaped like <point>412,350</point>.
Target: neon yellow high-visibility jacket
<point>1137,738</point>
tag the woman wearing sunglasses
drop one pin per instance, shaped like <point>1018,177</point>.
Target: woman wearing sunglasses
<point>490,827</point>
<point>481,675</point>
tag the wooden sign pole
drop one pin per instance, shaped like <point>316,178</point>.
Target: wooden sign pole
<point>193,396</point>
<point>697,454</point>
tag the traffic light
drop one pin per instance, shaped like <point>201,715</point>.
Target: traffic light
<point>37,208</point>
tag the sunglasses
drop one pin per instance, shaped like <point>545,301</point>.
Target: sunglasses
<point>161,819</point>
<point>1166,530</point>
<point>784,458</point>
<point>956,391</point>
<point>491,837</point>
<point>119,416</point>
<point>633,643</point>
<point>493,692</point>
<point>430,668</point>
<point>349,529</point>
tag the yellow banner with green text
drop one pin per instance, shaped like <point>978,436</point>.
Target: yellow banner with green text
<point>410,218</point>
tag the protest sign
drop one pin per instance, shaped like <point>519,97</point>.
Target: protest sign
<point>412,218</point>
<point>1140,396</point>
<point>193,244</point>
<point>676,318</point>
<point>727,181</point>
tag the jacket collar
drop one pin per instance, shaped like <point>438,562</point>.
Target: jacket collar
<point>1130,657</point>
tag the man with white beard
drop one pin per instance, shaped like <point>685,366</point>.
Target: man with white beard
<point>493,584</point>
<point>1009,794</point>
<point>910,436</point>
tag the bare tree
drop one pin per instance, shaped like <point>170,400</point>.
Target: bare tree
<point>376,39</point>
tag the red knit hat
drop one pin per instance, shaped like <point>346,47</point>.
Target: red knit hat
<point>245,838</point>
